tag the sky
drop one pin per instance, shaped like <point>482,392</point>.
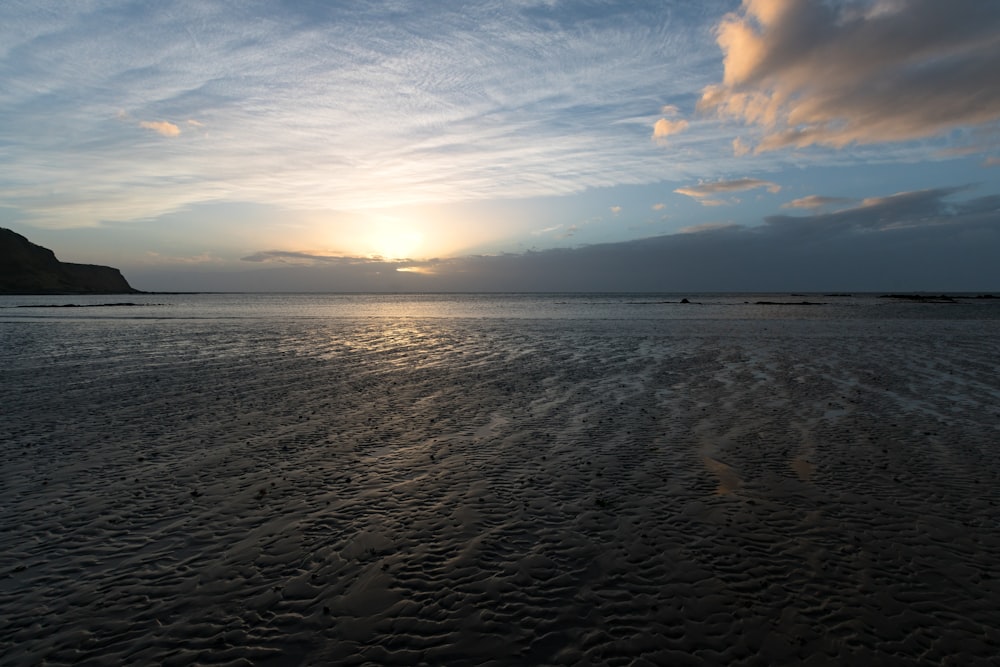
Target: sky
<point>516,145</point>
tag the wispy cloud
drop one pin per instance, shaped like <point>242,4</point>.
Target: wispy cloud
<point>808,72</point>
<point>166,128</point>
<point>304,257</point>
<point>546,230</point>
<point>615,210</point>
<point>560,231</point>
<point>201,258</point>
<point>321,106</point>
<point>816,201</point>
<point>707,227</point>
<point>705,193</point>
<point>735,185</point>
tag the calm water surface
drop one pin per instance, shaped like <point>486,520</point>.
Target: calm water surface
<point>488,306</point>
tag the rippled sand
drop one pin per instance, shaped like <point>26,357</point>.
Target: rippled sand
<point>480,492</point>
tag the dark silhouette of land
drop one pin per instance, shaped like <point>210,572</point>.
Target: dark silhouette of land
<point>26,268</point>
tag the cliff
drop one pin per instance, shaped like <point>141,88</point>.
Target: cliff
<point>26,268</point>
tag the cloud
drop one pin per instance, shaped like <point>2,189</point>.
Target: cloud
<point>906,241</point>
<point>658,206</point>
<point>991,161</point>
<point>835,73</point>
<point>816,201</point>
<point>919,240</point>
<point>546,230</point>
<point>152,257</point>
<point>615,210</point>
<point>704,192</point>
<point>707,227</point>
<point>476,102</point>
<point>735,185</point>
<point>913,208</point>
<point>663,128</point>
<point>297,257</point>
<point>163,127</point>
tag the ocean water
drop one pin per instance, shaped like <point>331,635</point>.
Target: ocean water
<point>576,306</point>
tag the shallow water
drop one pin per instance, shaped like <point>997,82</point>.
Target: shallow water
<point>628,307</point>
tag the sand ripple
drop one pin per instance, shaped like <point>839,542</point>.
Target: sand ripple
<point>480,492</point>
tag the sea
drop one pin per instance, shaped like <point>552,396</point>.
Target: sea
<point>620,307</point>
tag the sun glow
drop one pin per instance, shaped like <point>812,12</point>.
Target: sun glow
<point>398,245</point>
<point>393,234</point>
<point>393,238</point>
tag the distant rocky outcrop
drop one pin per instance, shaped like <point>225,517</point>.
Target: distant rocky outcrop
<point>921,298</point>
<point>26,268</point>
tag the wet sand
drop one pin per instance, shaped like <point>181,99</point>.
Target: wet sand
<point>466,492</point>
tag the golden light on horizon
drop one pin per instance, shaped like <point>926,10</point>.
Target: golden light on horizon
<point>418,233</point>
<point>407,234</point>
<point>392,238</point>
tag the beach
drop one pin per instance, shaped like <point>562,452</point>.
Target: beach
<point>467,491</point>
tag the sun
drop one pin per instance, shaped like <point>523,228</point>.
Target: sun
<point>398,234</point>
<point>393,238</point>
<point>399,245</point>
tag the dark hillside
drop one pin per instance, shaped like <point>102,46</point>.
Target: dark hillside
<point>26,268</point>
